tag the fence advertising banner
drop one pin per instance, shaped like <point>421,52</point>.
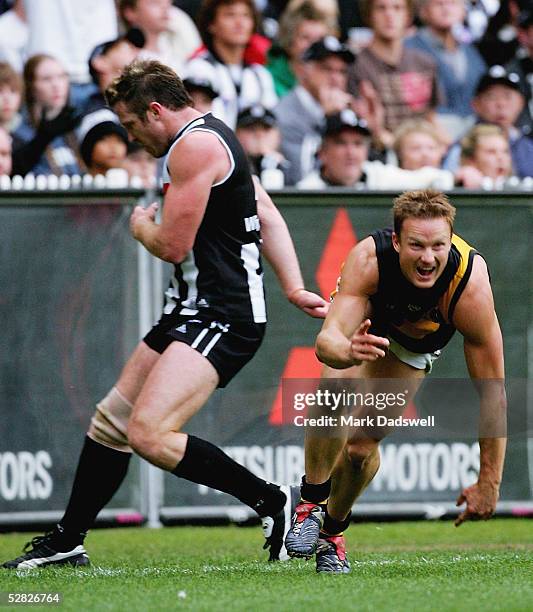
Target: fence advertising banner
<point>70,307</point>
<point>69,312</point>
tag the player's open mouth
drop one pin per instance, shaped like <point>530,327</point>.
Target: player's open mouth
<point>425,272</point>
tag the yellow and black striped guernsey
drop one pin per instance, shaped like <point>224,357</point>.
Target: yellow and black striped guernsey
<point>419,319</point>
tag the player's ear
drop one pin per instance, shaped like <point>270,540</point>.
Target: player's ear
<point>154,108</point>
<point>396,242</point>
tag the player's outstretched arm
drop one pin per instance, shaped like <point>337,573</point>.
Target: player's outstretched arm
<point>279,251</point>
<point>196,163</point>
<point>345,340</point>
<point>476,319</point>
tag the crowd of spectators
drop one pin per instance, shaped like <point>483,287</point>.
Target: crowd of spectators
<point>375,94</point>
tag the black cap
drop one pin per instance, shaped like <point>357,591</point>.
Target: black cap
<point>497,75</point>
<point>193,83</point>
<point>345,120</point>
<point>525,18</point>
<point>133,36</point>
<point>329,45</point>
<point>94,127</point>
<point>256,114</point>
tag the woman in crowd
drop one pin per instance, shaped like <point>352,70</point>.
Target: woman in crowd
<point>46,86</point>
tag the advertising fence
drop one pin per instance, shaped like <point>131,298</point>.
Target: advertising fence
<point>77,293</point>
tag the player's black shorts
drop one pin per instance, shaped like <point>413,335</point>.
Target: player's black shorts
<point>228,346</point>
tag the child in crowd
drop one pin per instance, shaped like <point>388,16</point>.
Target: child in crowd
<point>417,144</point>
<point>103,142</point>
<point>485,154</point>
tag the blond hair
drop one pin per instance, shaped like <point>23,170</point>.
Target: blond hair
<point>422,204</point>
<point>294,15</point>
<point>470,141</point>
<point>412,126</point>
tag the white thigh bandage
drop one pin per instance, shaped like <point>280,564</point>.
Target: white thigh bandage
<point>109,424</point>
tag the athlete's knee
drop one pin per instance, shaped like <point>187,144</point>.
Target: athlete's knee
<point>143,439</point>
<point>109,423</point>
<point>362,452</point>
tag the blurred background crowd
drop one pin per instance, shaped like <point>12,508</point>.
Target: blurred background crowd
<point>368,94</point>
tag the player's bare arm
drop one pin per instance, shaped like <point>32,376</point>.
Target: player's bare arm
<point>344,340</point>
<point>476,319</point>
<point>278,250</point>
<point>185,199</point>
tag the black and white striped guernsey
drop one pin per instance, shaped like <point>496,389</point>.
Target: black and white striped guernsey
<point>222,275</point>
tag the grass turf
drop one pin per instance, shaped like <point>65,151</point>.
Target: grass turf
<point>395,566</point>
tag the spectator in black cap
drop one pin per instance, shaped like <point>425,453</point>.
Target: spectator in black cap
<point>259,136</point>
<point>343,157</point>
<point>107,61</point>
<point>522,65</point>
<point>202,92</point>
<point>321,90</point>
<point>103,142</point>
<point>499,101</point>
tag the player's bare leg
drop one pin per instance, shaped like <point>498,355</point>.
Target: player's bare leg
<point>136,371</point>
<point>322,453</point>
<point>178,386</point>
<point>359,461</point>
<point>165,405</point>
<point>355,469</point>
<point>338,470</point>
<point>101,469</point>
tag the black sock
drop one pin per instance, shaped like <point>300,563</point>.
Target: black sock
<point>206,464</point>
<point>332,526</point>
<point>100,473</point>
<point>315,493</point>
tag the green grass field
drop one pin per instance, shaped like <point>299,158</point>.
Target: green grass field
<point>395,566</point>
